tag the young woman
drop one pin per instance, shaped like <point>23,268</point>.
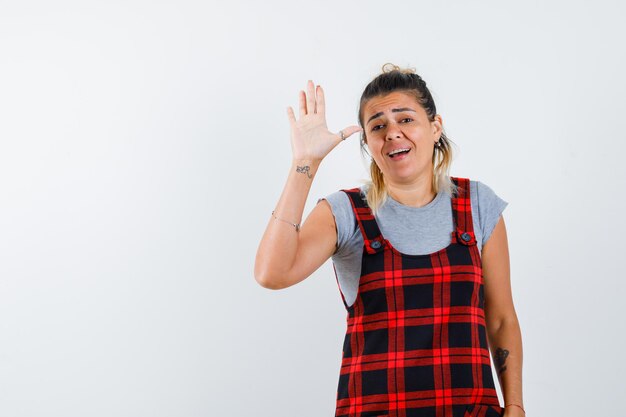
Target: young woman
<point>421,259</point>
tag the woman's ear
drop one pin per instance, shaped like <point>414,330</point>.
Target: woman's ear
<point>437,126</point>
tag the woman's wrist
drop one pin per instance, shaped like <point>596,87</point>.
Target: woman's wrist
<point>306,161</point>
<point>308,167</point>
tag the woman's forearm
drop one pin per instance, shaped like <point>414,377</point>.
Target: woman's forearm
<point>506,348</point>
<point>311,141</point>
<point>279,244</point>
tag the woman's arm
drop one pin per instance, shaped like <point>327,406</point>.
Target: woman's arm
<point>503,330</point>
<point>286,255</point>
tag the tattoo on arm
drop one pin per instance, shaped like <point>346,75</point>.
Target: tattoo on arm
<point>501,355</point>
<point>304,170</point>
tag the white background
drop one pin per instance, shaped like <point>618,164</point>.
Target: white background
<point>143,146</point>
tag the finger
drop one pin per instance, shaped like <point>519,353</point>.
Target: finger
<point>349,131</point>
<point>302,103</point>
<point>310,98</point>
<point>291,116</point>
<point>321,100</point>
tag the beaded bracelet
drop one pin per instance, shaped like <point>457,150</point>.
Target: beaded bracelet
<point>296,225</point>
<point>516,406</point>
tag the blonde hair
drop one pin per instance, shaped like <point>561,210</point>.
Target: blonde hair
<point>394,78</point>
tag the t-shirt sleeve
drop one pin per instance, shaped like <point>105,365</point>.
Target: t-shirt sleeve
<point>490,207</point>
<point>344,218</point>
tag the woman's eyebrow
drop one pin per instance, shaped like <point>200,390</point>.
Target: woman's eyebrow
<point>392,110</point>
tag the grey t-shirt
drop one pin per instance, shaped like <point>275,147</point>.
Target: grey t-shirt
<point>411,230</point>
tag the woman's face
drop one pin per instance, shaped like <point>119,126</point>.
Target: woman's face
<point>400,137</point>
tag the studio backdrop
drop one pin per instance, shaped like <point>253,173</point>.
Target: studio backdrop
<point>144,145</point>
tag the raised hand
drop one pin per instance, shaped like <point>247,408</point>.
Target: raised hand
<point>310,137</point>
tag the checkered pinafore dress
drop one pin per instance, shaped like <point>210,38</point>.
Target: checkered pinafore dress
<point>415,344</point>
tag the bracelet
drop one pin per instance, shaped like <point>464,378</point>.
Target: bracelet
<point>516,406</point>
<point>296,225</point>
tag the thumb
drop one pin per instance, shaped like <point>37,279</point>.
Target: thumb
<point>349,131</point>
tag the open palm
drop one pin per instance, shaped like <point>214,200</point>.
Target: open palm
<point>310,137</point>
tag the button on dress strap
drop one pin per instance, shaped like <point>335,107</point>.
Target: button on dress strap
<point>462,212</point>
<point>372,237</point>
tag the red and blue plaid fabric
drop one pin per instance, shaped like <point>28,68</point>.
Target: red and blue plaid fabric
<point>415,343</point>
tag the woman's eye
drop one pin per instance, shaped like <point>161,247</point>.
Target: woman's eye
<point>406,120</point>
<point>377,127</point>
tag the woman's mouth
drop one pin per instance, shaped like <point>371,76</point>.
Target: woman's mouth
<point>399,153</point>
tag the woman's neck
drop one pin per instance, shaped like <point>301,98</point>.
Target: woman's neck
<point>415,194</point>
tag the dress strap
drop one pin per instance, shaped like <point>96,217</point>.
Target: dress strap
<point>372,237</point>
<point>462,212</point>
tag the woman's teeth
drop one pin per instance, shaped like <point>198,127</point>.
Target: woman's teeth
<point>397,152</point>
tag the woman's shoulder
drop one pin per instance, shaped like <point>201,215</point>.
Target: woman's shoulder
<point>482,192</point>
<point>341,196</point>
<point>345,221</point>
<point>487,206</point>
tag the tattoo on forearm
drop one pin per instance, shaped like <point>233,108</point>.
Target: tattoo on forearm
<point>501,355</point>
<point>304,170</point>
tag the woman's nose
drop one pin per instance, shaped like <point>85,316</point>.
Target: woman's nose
<point>393,132</point>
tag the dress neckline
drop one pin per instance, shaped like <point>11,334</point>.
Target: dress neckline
<point>430,206</point>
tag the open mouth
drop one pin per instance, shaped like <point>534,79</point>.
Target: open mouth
<point>398,153</point>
